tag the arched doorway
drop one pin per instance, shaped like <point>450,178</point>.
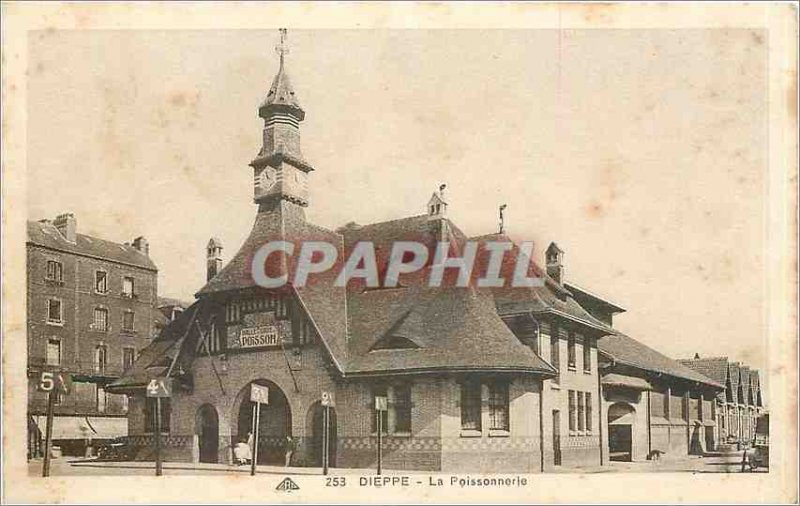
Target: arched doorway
<point>275,422</point>
<point>621,417</point>
<point>207,430</point>
<point>315,424</point>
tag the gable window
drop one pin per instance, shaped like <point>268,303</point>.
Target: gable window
<point>587,354</point>
<point>581,412</point>
<point>55,271</point>
<point>54,313</point>
<point>127,286</point>
<point>100,281</point>
<point>53,353</point>
<point>127,320</point>
<point>100,358</point>
<point>498,405</point>
<point>571,351</point>
<point>572,411</point>
<point>128,356</point>
<point>379,391</point>
<point>402,407</point>
<point>588,411</point>
<point>471,405</point>
<point>150,411</point>
<point>555,350</point>
<point>101,319</point>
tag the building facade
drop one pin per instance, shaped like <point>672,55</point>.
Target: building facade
<point>742,401</point>
<point>91,306</point>
<point>492,380</point>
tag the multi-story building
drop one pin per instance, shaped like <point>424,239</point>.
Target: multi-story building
<point>91,309</point>
<point>742,401</point>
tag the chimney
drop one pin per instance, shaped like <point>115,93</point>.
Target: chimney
<point>554,260</point>
<point>67,225</point>
<point>213,258</point>
<point>141,244</point>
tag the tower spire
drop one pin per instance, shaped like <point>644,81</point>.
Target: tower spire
<point>282,49</point>
<point>279,170</point>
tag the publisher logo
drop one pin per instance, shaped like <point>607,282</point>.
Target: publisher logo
<point>287,485</point>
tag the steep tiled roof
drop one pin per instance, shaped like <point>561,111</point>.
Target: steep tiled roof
<point>455,329</point>
<point>744,379</point>
<point>733,375</point>
<point>715,368</point>
<point>629,351</point>
<point>45,234</point>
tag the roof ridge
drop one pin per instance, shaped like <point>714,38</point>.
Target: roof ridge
<point>385,222</point>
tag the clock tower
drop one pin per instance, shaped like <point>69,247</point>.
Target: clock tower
<point>280,173</point>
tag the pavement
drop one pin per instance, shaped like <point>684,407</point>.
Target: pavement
<point>67,466</point>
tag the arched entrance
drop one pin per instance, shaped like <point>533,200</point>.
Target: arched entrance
<point>621,417</point>
<point>315,424</point>
<point>207,429</point>
<point>275,422</point>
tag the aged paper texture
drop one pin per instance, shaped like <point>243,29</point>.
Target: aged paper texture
<point>399,253</point>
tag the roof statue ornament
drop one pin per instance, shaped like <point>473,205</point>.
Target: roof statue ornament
<point>502,219</point>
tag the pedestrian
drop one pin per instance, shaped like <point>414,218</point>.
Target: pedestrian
<point>291,444</point>
<point>89,450</point>
<point>250,442</point>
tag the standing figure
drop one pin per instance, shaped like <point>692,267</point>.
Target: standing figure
<point>291,444</point>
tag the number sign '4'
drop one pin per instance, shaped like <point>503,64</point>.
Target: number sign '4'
<point>159,387</point>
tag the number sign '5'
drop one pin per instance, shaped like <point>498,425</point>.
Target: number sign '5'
<point>51,381</point>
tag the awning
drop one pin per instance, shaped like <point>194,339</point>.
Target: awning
<point>82,427</point>
<point>622,380</point>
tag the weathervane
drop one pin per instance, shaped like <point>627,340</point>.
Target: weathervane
<point>502,208</point>
<point>282,48</point>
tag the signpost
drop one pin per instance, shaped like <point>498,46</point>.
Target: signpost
<point>54,383</point>
<point>381,405</point>
<point>327,402</point>
<point>159,388</point>
<point>259,394</point>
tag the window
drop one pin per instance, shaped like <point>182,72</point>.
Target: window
<point>54,311</point>
<point>100,281</point>
<point>572,414</point>
<point>379,391</point>
<point>127,286</point>
<point>101,319</point>
<point>150,415</point>
<point>587,354</point>
<point>53,355</point>
<point>588,412</point>
<point>471,405</point>
<point>100,358</point>
<point>581,412</point>
<point>555,349</point>
<point>402,407</point>
<point>124,398</point>
<point>571,351</point>
<point>128,356</point>
<point>127,320</point>
<point>101,399</point>
<point>55,271</point>
<point>498,406</point>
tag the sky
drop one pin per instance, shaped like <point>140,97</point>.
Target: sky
<point>642,153</point>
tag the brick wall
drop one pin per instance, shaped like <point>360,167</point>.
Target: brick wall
<point>78,340</point>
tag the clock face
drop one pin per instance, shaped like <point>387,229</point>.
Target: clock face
<point>265,180</point>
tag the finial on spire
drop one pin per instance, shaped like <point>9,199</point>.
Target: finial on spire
<point>282,48</point>
<point>502,220</point>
